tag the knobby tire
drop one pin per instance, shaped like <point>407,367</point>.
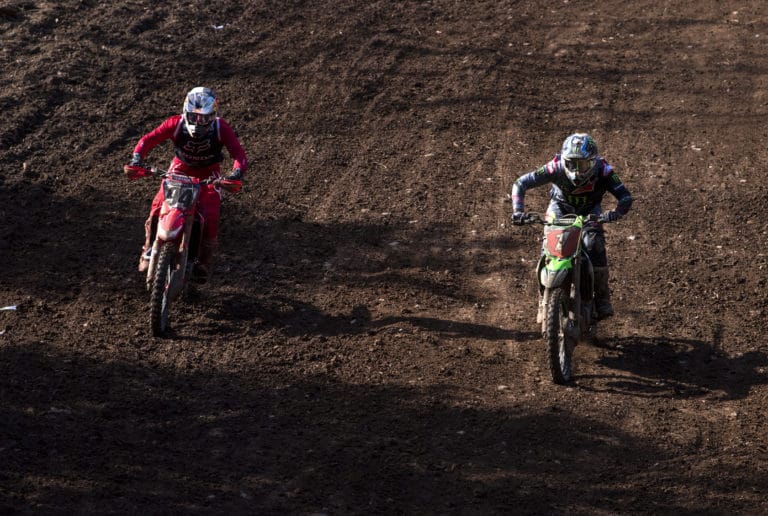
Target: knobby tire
<point>159,303</point>
<point>559,344</point>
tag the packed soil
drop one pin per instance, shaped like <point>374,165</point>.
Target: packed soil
<point>368,343</point>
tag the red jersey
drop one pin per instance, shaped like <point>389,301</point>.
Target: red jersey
<point>198,157</point>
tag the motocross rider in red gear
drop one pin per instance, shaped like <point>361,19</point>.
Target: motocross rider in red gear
<point>199,135</point>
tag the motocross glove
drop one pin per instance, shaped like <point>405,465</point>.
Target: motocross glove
<point>136,160</point>
<point>236,175</point>
<point>518,217</point>
<point>611,216</point>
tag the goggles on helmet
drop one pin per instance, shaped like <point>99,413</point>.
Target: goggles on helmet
<point>200,118</point>
<point>580,166</point>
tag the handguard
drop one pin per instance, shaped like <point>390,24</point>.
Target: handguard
<point>230,185</point>
<point>134,172</point>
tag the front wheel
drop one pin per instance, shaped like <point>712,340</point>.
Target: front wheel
<point>159,298</point>
<point>559,343</point>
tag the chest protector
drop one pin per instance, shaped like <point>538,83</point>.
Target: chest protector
<point>198,152</point>
<point>582,198</point>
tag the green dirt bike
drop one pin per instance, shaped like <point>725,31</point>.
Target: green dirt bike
<point>566,289</point>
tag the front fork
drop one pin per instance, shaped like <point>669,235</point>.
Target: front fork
<point>178,275</point>
<point>576,325</point>
<point>575,321</point>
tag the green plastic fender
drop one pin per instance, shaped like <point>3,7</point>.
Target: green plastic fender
<point>555,272</point>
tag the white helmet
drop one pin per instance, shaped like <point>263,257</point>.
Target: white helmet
<point>200,111</point>
<point>579,155</point>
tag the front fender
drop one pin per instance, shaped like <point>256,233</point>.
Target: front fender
<point>553,278</point>
<point>170,225</point>
<point>554,271</point>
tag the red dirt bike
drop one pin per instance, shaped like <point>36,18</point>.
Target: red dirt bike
<point>565,275</point>
<point>177,240</point>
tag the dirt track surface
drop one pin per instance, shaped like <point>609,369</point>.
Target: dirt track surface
<point>369,343</point>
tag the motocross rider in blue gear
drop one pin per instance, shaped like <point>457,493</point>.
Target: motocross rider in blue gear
<point>580,178</point>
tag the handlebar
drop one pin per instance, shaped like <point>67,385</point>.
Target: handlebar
<point>538,218</point>
<point>138,171</point>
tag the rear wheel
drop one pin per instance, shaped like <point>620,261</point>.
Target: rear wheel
<point>559,343</point>
<point>159,299</point>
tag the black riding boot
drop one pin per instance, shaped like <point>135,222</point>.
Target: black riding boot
<point>602,293</point>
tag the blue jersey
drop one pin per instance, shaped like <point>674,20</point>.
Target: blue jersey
<point>568,198</point>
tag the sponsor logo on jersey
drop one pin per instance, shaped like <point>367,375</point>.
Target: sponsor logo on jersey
<point>197,147</point>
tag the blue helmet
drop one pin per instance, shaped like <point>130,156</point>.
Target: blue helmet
<point>579,155</point>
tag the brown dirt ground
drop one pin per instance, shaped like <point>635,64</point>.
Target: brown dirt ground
<point>369,344</point>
